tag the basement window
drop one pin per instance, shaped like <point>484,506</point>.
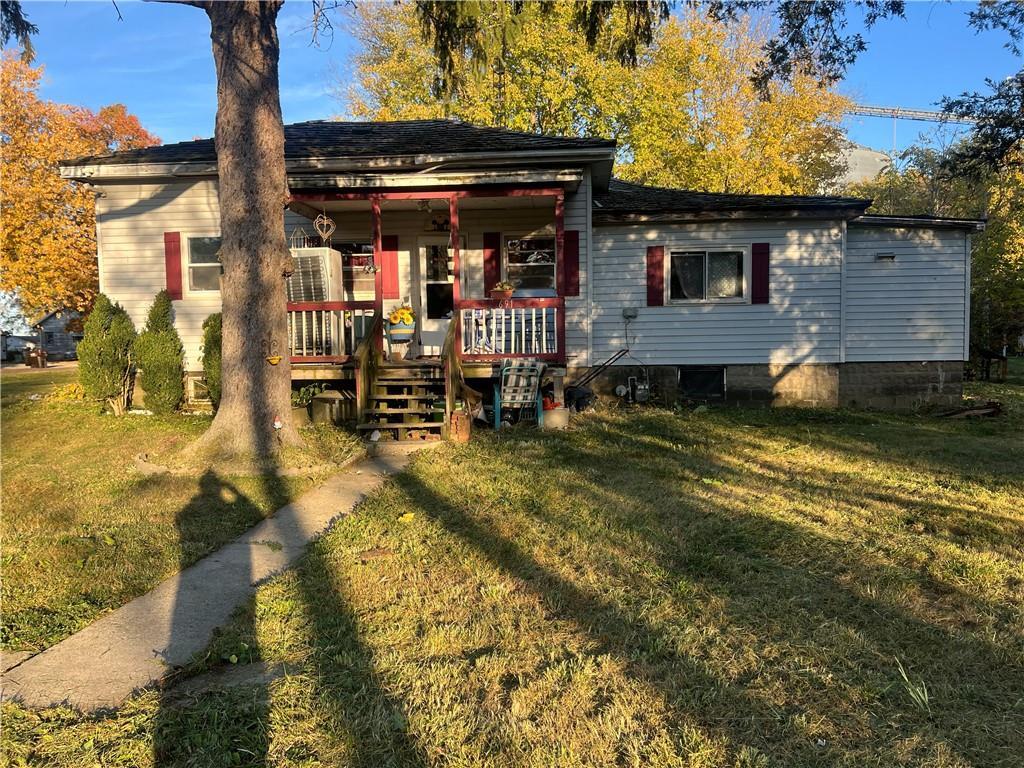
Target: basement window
<point>708,275</point>
<point>702,383</point>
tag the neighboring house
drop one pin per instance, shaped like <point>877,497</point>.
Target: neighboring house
<point>14,346</point>
<point>802,300</point>
<point>58,334</point>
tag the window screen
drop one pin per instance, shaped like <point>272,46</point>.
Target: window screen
<point>725,275</point>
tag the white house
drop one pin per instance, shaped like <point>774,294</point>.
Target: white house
<point>795,300</point>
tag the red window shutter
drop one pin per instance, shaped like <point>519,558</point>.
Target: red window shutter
<point>759,273</point>
<point>389,267</point>
<point>492,260</point>
<point>655,275</point>
<point>571,262</point>
<point>172,263</point>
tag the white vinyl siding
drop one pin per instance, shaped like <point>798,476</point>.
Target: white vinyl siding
<point>910,307</point>
<point>131,220</point>
<point>799,325</point>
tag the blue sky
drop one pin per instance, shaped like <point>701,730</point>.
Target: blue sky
<point>157,61</point>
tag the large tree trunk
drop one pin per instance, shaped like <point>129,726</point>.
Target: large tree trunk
<point>253,190</point>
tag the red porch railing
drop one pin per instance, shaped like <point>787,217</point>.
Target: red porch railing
<point>327,331</point>
<point>491,331</point>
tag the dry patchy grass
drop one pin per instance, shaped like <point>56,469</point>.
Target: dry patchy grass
<point>84,531</point>
<point>728,588</point>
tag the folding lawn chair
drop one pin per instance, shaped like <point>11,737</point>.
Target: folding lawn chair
<point>518,389</point>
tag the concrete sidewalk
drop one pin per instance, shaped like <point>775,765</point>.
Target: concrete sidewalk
<point>136,645</point>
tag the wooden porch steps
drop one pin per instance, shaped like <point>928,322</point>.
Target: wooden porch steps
<point>402,395</point>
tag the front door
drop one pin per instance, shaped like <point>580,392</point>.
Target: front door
<point>436,299</point>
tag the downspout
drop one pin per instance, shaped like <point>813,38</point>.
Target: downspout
<point>589,178</point>
<point>842,293</point>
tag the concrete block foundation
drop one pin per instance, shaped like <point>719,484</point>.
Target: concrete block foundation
<point>901,386</point>
<point>889,386</point>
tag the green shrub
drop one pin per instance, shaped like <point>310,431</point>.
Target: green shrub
<point>160,357</point>
<point>106,356</point>
<point>211,356</point>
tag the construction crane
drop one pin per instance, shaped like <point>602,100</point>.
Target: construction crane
<point>898,113</point>
<point>907,114</point>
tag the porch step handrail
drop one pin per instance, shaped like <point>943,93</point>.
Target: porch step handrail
<point>367,359</point>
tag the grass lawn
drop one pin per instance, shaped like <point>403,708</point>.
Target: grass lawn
<point>83,530</point>
<point>722,588</point>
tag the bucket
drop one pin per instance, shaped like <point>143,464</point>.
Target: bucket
<point>401,332</point>
<point>556,418</point>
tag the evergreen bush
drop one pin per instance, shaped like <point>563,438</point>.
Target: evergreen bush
<point>211,356</point>
<point>160,356</point>
<point>106,355</point>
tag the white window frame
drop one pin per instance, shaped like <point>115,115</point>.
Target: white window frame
<point>706,248</point>
<point>186,263</point>
<point>541,234</point>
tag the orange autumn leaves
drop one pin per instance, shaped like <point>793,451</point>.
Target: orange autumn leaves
<point>47,224</point>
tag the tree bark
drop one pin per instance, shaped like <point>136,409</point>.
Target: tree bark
<point>252,189</point>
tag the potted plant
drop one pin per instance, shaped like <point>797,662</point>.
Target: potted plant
<point>502,291</point>
<point>401,324</point>
<point>301,398</point>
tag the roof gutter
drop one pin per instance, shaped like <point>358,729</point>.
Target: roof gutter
<point>934,222</point>
<point>99,170</point>
<point>847,213</point>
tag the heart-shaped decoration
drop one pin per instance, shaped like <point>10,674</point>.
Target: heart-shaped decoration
<point>324,226</point>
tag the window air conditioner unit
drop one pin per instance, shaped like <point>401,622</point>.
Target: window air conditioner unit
<point>317,275</point>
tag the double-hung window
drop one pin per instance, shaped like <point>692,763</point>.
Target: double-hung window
<point>203,267</point>
<point>356,276</point>
<point>530,265</point>
<point>718,275</point>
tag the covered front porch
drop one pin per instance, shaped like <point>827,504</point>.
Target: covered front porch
<point>440,252</point>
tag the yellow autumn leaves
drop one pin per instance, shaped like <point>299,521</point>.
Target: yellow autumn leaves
<point>686,116</point>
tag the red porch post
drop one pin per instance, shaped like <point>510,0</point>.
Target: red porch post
<point>378,262</point>
<point>453,225</point>
<point>560,243</point>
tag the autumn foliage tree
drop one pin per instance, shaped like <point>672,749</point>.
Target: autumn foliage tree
<point>688,115</point>
<point>48,224</point>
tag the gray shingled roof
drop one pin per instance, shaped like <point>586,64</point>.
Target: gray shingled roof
<point>623,197</point>
<point>329,138</point>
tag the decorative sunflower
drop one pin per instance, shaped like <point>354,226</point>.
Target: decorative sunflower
<point>402,315</point>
